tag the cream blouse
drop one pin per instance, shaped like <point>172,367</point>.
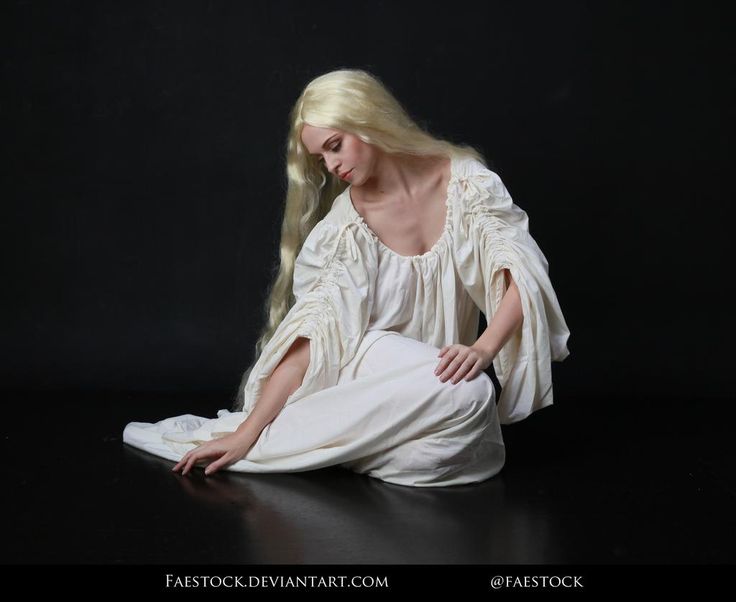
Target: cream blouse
<point>347,282</point>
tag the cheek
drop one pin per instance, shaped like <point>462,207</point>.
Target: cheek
<point>356,149</point>
<point>361,154</point>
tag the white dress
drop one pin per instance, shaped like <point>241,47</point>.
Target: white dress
<point>370,400</point>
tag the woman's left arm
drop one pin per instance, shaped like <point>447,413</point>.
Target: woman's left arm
<point>468,362</point>
<point>507,320</point>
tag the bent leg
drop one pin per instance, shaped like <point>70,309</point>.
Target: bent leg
<point>447,434</point>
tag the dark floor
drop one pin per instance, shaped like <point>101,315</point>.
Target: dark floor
<point>590,481</point>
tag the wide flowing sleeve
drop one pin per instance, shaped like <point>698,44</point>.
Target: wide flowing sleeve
<point>492,234</point>
<point>334,279</point>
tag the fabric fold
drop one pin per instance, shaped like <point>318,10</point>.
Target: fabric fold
<point>493,235</point>
<point>334,275</point>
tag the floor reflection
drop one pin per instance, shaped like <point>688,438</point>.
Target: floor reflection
<point>334,516</point>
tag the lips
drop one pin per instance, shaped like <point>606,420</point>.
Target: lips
<point>344,174</point>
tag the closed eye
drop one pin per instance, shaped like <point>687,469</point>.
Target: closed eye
<point>333,149</point>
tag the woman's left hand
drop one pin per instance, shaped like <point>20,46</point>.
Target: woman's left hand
<point>460,361</point>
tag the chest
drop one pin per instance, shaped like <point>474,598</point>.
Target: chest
<point>408,227</point>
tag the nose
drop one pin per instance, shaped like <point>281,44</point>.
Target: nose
<point>333,167</point>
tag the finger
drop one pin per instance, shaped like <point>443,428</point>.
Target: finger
<point>216,465</point>
<point>181,462</point>
<point>200,454</point>
<point>452,368</point>
<point>188,464</point>
<point>191,457</point>
<point>460,371</point>
<point>443,350</point>
<point>475,371</point>
<point>446,360</point>
<point>463,370</point>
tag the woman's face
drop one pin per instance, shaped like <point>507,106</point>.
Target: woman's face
<point>345,155</point>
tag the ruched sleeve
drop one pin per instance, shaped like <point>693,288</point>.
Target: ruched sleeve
<point>334,279</point>
<point>492,234</point>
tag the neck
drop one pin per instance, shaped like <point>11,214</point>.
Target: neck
<point>396,176</point>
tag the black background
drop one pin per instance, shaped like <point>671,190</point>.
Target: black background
<point>143,178</point>
<point>143,175</point>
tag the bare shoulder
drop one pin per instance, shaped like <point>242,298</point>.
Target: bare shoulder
<point>437,174</point>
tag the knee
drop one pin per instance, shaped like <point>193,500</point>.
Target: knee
<point>474,395</point>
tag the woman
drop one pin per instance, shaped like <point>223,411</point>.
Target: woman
<point>392,243</point>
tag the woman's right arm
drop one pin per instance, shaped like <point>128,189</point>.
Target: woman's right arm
<point>286,378</point>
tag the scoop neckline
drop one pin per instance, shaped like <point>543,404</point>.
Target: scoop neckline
<point>440,240</point>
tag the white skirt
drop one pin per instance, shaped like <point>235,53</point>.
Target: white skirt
<point>388,417</point>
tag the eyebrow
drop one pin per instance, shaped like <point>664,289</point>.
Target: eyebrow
<point>324,144</point>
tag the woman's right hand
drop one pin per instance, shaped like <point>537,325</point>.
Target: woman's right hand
<point>225,451</point>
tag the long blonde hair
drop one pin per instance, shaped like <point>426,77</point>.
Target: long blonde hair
<point>350,100</point>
